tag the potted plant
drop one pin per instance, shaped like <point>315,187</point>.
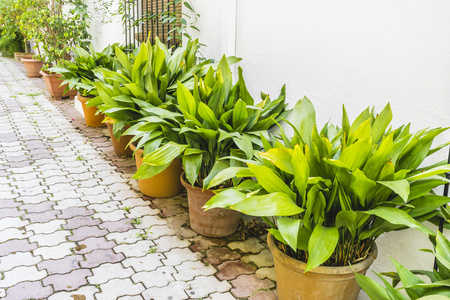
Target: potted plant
<point>57,26</point>
<point>219,119</point>
<point>79,75</point>
<point>145,82</point>
<point>436,289</point>
<point>328,195</point>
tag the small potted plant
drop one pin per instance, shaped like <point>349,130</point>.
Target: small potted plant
<point>145,82</point>
<point>436,289</point>
<point>57,26</point>
<point>79,75</point>
<point>219,119</point>
<point>329,194</point>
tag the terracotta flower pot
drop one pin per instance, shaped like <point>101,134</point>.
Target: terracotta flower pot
<point>92,119</point>
<point>19,55</point>
<point>54,87</point>
<point>32,67</point>
<point>216,222</point>
<point>321,283</point>
<point>165,184</point>
<point>120,146</point>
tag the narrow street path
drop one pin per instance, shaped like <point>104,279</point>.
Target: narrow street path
<point>73,225</point>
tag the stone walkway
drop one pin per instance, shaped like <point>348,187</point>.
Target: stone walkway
<point>73,226</point>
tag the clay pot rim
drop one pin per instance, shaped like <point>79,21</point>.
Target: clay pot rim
<point>31,60</point>
<point>187,185</point>
<point>301,266</point>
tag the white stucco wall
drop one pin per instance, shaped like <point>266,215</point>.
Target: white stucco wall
<point>352,52</point>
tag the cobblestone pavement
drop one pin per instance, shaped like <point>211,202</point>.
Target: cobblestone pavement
<point>73,226</point>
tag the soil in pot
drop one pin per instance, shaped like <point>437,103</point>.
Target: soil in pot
<point>54,87</point>
<point>90,114</point>
<point>165,184</point>
<point>120,146</point>
<point>216,222</point>
<point>32,67</point>
<point>321,283</point>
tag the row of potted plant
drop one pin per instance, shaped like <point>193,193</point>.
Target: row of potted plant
<point>327,195</point>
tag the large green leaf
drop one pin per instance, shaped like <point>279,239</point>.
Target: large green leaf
<point>164,155</point>
<point>362,186</point>
<point>434,171</point>
<point>186,100</point>
<point>426,204</point>
<point>409,279</point>
<point>270,181</point>
<point>400,187</point>
<point>372,288</point>
<point>225,175</point>
<point>355,156</point>
<point>191,165</point>
<point>274,204</point>
<point>303,117</point>
<point>322,244</point>
<point>225,199</point>
<point>289,228</point>
<point>381,123</point>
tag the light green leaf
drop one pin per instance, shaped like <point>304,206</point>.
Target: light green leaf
<point>274,204</point>
<point>225,199</point>
<point>301,171</point>
<point>321,245</point>
<point>280,157</point>
<point>373,289</point>
<point>289,230</point>
<point>270,181</point>
<point>225,175</point>
<point>400,187</point>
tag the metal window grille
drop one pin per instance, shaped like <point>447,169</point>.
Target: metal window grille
<point>139,25</point>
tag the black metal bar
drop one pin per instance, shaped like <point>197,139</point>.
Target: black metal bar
<point>146,19</point>
<point>445,194</point>
<point>153,21</point>
<point>125,29</point>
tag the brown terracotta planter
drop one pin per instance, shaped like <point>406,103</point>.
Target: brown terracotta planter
<point>120,146</point>
<point>19,55</point>
<point>216,222</point>
<point>92,119</point>
<point>322,283</point>
<point>165,184</point>
<point>54,87</point>
<point>32,67</point>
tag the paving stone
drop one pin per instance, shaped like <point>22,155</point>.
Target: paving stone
<point>129,237</point>
<point>87,231</point>
<point>172,211</point>
<point>55,252</point>
<point>149,262</point>
<point>265,295</point>
<point>117,226</point>
<point>93,243</point>
<point>88,183</point>
<point>102,198</point>
<point>40,207</point>
<point>17,259</point>
<point>27,183</point>
<point>31,191</point>
<point>75,211</point>
<point>48,227</point>
<point>115,215</point>
<point>119,287</point>
<point>10,203</point>
<point>117,187</point>
<point>179,224</point>
<point>140,211</point>
<point>148,221</point>
<point>61,266</point>
<point>28,290</point>
<point>166,243</point>
<point>216,256</point>
<point>174,291</point>
<point>98,257</point>
<point>80,221</point>
<point>157,278</point>
<point>138,297</point>
<point>60,187</point>
<point>106,272</point>
<point>269,273</point>
<point>68,203</point>
<point>51,239</point>
<point>42,217</point>
<point>12,222</point>
<point>251,245</point>
<point>104,207</point>
<point>221,296</point>
<point>159,231</point>
<point>13,233</point>
<point>177,256</point>
<point>83,293</point>
<point>68,282</point>
<point>57,179</point>
<point>202,286</point>
<point>133,202</point>
<point>262,259</point>
<point>188,270</point>
<point>14,246</point>
<point>166,202</point>
<point>34,199</point>
<point>10,212</point>
<point>137,249</point>
<point>231,269</point>
<point>245,285</point>
<point>19,274</point>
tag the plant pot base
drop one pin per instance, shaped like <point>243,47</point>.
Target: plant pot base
<point>53,82</point>
<point>321,283</point>
<point>216,222</point>
<point>165,184</point>
<point>120,146</point>
<point>92,119</point>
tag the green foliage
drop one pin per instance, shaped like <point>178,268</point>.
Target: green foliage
<point>59,25</point>
<point>217,119</point>
<point>330,194</point>
<point>11,39</point>
<point>437,288</point>
<point>79,73</point>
